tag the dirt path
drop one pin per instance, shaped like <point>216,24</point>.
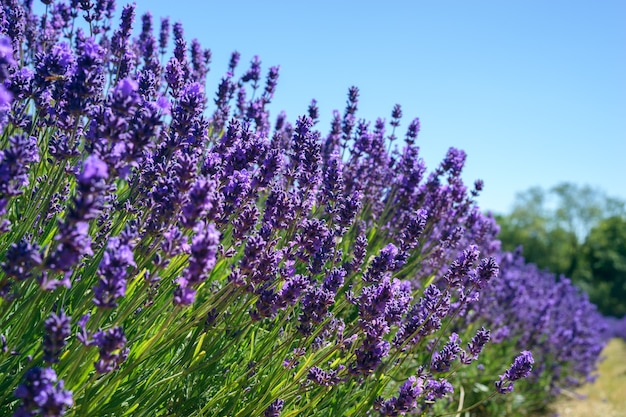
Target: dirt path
<point>607,396</point>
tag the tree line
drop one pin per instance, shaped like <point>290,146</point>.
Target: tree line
<point>575,231</point>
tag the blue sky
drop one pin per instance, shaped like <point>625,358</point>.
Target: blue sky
<point>533,91</point>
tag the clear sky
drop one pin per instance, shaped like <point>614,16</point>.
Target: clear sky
<point>533,90</point>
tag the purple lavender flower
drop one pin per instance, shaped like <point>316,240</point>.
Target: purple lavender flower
<point>412,131</point>
<point>22,260</point>
<point>254,73</point>
<point>475,346</point>
<point>73,243</point>
<point>56,64</point>
<point>6,61</point>
<point>332,184</point>
<point>94,170</point>
<point>274,409</point>
<point>180,45</point>
<point>112,272</point>
<point>15,162</point>
<point>292,289</point>
<point>42,394</point>
<point>86,86</point>
<point>5,101</point>
<point>322,377</point>
<point>313,111</point>
<point>164,34</point>
<point>234,61</point>
<point>237,188</point>
<point>460,269</point>
<point>202,260</point>
<point>246,221</point>
<point>374,299</point>
<point>521,368</point>
<point>73,236</point>
<point>266,305</point>
<point>315,304</point>
<point>485,271</point>
<point>423,318</point>
<point>6,57</point>
<point>454,161</point>
<point>119,41</point>
<point>187,117</point>
<point>396,115</point>
<point>21,83</point>
<point>359,252</point>
<point>385,261</point>
<point>272,81</point>
<point>16,23</point>
<point>200,59</point>
<point>437,389</point>
<point>370,354</point>
<point>443,359</point>
<point>545,313</point>
<point>406,400</point>
<point>413,231</point>
<point>104,9</point>
<point>201,199</point>
<point>225,92</point>
<point>57,331</point>
<point>112,348</point>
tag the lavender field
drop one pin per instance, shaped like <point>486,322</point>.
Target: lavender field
<point>170,248</point>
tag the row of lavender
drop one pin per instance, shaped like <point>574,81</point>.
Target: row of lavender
<point>166,254</point>
<point>616,327</point>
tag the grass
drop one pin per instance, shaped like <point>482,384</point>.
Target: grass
<point>607,396</point>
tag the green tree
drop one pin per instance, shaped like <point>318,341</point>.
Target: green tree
<point>554,227</point>
<point>604,253</point>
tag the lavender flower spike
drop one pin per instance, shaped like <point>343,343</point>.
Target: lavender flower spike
<point>113,273</point>
<point>274,409</point>
<point>113,350</point>
<point>42,394</point>
<point>521,368</point>
<point>57,331</point>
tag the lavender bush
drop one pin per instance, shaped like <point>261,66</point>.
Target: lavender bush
<point>616,327</point>
<point>529,308</point>
<point>164,252</point>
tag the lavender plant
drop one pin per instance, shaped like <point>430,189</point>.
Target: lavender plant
<point>167,254</point>
<point>536,310</point>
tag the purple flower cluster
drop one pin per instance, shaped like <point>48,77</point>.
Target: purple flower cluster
<point>543,313</point>
<point>521,368</point>
<point>112,348</point>
<point>42,394</point>
<point>113,270</point>
<point>73,240</point>
<point>406,400</point>
<point>202,260</point>
<point>274,409</point>
<point>615,327</point>
<point>415,388</point>
<point>57,331</point>
<point>340,247</point>
<point>15,162</point>
<point>6,62</point>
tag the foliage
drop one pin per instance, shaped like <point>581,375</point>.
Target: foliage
<point>155,260</point>
<point>604,254</point>
<point>554,226</point>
